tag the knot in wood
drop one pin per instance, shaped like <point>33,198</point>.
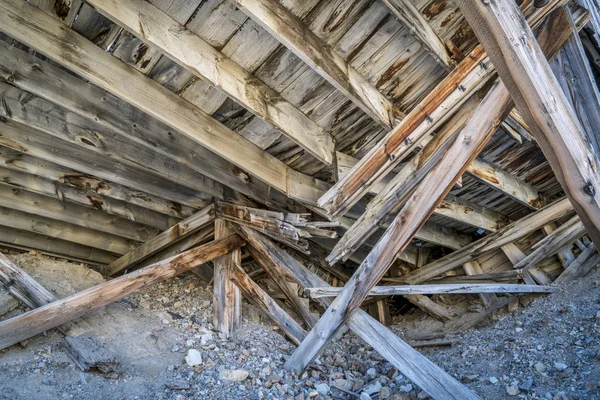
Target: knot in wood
<point>589,189</point>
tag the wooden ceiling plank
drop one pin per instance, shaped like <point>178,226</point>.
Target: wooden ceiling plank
<point>501,28</point>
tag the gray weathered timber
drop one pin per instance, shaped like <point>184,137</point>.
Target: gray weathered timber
<point>494,241</point>
<point>227,300</point>
<point>164,239</point>
<point>538,96</point>
<point>428,376</point>
<point>159,30</point>
<point>21,285</point>
<point>291,32</point>
<point>439,181</point>
<point>406,12</point>
<point>44,206</point>
<point>254,294</point>
<point>474,288</point>
<point>439,105</point>
<point>587,260</point>
<point>193,240</point>
<point>64,310</point>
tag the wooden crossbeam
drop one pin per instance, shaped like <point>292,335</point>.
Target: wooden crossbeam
<point>499,26</point>
<point>29,324</point>
<point>435,109</point>
<point>161,31</point>
<point>428,376</point>
<point>291,32</point>
<point>433,188</point>
<point>474,288</point>
<point>409,16</point>
<point>164,239</point>
<point>583,264</point>
<point>33,27</point>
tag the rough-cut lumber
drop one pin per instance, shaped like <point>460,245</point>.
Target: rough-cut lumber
<point>409,16</point>
<point>516,54</point>
<point>261,249</point>
<point>161,31</point>
<point>439,105</point>
<point>583,264</point>
<point>163,240</point>
<point>21,285</point>
<point>64,310</point>
<point>227,300</point>
<point>253,293</point>
<point>60,87</point>
<point>473,288</point>
<point>190,241</point>
<point>433,188</point>
<point>493,241</point>
<point>291,32</point>
<point>428,376</point>
<point>39,31</point>
<point>432,308</point>
<point>474,268</point>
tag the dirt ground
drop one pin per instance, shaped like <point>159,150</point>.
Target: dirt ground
<point>547,350</point>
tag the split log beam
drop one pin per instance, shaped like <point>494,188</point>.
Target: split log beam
<point>439,181</point>
<point>262,251</point>
<point>159,30</point>
<point>474,288</point>
<point>292,33</point>
<point>491,242</point>
<point>227,300</point>
<point>33,27</point>
<point>31,323</point>
<point>435,109</point>
<point>164,239</point>
<point>409,16</point>
<point>516,54</point>
<point>425,374</point>
<point>583,264</point>
<point>21,285</point>
<point>253,293</point>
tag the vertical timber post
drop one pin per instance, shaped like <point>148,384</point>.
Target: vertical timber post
<point>226,295</point>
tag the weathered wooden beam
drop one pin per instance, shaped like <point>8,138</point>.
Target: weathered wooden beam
<point>44,206</point>
<point>430,307</point>
<point>41,32</point>
<point>261,250</point>
<point>473,288</point>
<point>493,241</point>
<point>159,30</point>
<point>583,264</point>
<point>29,73</point>
<point>428,376</point>
<point>65,231</point>
<point>164,239</point>
<point>292,33</point>
<point>435,109</point>
<point>473,268</point>
<point>433,188</point>
<point>409,16</point>
<point>500,26</point>
<point>227,300</point>
<point>51,315</point>
<point>21,285</point>
<point>253,293</point>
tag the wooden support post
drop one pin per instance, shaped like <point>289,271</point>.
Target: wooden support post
<point>163,240</point>
<point>473,268</point>
<point>227,301</point>
<point>516,54</point>
<point>428,376</point>
<point>584,263</point>
<point>64,310</point>
<point>21,285</point>
<point>262,300</point>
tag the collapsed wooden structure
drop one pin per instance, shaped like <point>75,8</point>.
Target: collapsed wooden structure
<point>278,139</point>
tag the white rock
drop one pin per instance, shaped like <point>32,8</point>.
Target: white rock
<point>193,357</point>
<point>539,367</point>
<point>322,388</point>
<point>371,373</point>
<point>560,366</point>
<point>493,379</point>
<point>518,330</point>
<point>365,396</point>
<point>234,375</point>
<point>372,388</point>
<point>406,388</point>
<point>512,390</point>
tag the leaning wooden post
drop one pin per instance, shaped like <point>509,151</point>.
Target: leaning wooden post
<point>31,323</point>
<point>428,195</point>
<point>507,38</point>
<point>227,301</point>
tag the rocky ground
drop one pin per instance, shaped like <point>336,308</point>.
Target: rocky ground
<point>167,350</point>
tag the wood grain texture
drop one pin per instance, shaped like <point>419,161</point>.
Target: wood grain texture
<point>51,315</point>
<point>500,26</point>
